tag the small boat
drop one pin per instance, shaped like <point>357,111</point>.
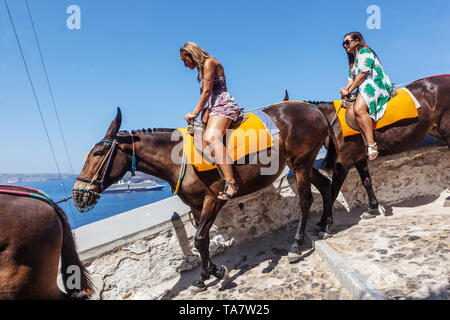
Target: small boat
<point>134,186</point>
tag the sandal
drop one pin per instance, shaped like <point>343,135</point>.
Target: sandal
<point>372,152</point>
<point>224,195</point>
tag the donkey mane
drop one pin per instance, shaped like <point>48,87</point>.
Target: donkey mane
<point>145,131</point>
<point>318,102</point>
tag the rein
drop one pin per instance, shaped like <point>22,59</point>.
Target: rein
<point>265,107</point>
<point>403,84</point>
<point>182,169</point>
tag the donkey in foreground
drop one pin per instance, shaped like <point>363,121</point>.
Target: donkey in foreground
<point>303,130</point>
<point>33,236</point>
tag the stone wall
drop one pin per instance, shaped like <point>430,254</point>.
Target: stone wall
<point>132,270</point>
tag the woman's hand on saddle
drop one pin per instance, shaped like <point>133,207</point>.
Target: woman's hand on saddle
<point>344,92</point>
<point>191,116</point>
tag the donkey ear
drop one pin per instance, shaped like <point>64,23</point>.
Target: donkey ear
<point>286,96</point>
<point>115,125</point>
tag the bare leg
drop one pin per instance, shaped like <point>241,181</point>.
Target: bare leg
<point>364,120</point>
<point>213,137</point>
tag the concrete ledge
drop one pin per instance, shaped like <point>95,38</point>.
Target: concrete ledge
<point>105,235</point>
<point>359,286</point>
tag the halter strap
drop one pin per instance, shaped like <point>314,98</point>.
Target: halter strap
<point>107,141</point>
<point>108,157</point>
<point>133,160</point>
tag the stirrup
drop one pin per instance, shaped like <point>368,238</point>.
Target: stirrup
<point>233,185</point>
<point>372,152</point>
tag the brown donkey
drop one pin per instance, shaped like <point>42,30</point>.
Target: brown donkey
<point>303,130</point>
<point>433,94</point>
<point>33,236</point>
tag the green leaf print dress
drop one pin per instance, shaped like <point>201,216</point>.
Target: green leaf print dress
<point>376,88</point>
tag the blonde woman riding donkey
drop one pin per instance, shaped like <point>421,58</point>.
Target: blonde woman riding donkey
<point>374,87</point>
<point>221,111</point>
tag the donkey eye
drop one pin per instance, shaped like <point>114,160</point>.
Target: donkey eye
<point>98,153</point>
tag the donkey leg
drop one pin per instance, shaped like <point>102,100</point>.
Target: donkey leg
<point>303,177</point>
<point>323,184</point>
<point>339,174</point>
<point>209,213</point>
<point>444,128</point>
<point>363,170</point>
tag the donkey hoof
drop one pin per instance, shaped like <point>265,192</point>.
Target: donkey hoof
<point>223,273</point>
<point>294,254</point>
<point>371,213</point>
<point>317,228</point>
<point>325,235</point>
<point>198,286</point>
<point>293,257</point>
<point>368,216</point>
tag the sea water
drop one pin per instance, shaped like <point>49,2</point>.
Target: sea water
<point>110,204</point>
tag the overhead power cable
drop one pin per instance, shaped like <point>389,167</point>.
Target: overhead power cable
<point>49,87</point>
<point>36,98</point>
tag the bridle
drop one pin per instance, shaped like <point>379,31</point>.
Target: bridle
<point>107,159</point>
<point>89,194</point>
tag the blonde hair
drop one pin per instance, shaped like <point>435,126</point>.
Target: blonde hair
<point>197,54</point>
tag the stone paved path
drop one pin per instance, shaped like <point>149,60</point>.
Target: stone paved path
<point>404,253</point>
<point>259,270</point>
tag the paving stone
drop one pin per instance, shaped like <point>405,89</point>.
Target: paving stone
<point>421,245</point>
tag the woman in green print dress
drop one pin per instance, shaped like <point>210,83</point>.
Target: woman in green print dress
<point>374,87</point>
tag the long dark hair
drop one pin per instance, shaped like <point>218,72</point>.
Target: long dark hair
<point>362,44</point>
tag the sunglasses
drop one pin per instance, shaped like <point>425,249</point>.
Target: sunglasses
<point>347,42</point>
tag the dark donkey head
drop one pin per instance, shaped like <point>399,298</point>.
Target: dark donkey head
<point>106,163</point>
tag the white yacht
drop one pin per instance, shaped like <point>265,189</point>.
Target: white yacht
<point>134,186</point>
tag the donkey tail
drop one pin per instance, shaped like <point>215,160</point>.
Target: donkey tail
<point>69,258</point>
<point>331,155</point>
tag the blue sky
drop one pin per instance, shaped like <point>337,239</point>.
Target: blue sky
<point>126,54</point>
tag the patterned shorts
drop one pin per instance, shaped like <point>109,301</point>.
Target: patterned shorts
<point>224,105</point>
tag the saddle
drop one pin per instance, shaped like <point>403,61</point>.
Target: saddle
<point>401,109</point>
<point>350,116</point>
<point>197,129</point>
<point>249,135</point>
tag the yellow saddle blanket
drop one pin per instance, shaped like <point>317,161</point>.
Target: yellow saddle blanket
<point>403,106</point>
<point>249,137</point>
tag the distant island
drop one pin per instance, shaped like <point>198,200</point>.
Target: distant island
<point>12,178</point>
